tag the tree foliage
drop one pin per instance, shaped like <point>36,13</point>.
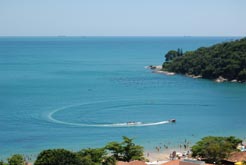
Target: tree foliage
<point>110,160</point>
<point>215,149</point>
<point>226,59</point>
<point>92,156</point>
<point>108,155</point>
<point>16,159</point>
<point>172,54</point>
<point>57,157</point>
<point>126,150</point>
<point>2,163</point>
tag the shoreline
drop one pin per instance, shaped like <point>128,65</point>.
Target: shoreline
<point>163,155</point>
<point>158,69</point>
<point>159,154</point>
<point>164,151</point>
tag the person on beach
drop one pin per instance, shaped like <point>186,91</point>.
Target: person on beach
<point>173,155</point>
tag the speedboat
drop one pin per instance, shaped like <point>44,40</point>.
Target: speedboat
<point>172,120</point>
<point>133,123</point>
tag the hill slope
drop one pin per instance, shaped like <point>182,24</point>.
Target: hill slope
<point>227,60</point>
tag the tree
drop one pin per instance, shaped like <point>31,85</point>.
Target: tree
<point>131,151</point>
<point>57,157</point>
<point>16,159</point>
<point>208,72</point>
<point>116,149</point>
<point>110,160</point>
<point>179,52</point>
<point>214,148</point>
<point>171,55</point>
<point>108,155</point>
<point>86,160</point>
<point>126,150</point>
<point>97,156</point>
<point>242,75</point>
<point>92,156</point>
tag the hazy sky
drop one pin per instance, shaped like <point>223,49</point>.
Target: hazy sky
<point>123,17</point>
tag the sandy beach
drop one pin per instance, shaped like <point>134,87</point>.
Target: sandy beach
<point>154,156</point>
<point>162,155</point>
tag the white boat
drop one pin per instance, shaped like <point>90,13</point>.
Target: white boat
<point>133,123</point>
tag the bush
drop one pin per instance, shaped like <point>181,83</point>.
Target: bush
<point>57,157</point>
<point>214,148</point>
<point>126,150</point>
<point>16,159</point>
<point>92,156</point>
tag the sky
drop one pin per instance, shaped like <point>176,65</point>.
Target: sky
<point>123,17</point>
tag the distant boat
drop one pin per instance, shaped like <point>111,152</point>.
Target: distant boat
<point>172,120</point>
<point>133,123</point>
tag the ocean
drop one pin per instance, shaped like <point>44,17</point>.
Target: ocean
<point>79,92</point>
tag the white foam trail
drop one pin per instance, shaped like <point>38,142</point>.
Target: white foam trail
<point>138,124</point>
<point>135,124</point>
<point>109,125</point>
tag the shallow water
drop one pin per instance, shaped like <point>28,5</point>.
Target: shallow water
<point>73,92</point>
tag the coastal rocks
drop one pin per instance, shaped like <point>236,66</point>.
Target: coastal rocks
<point>153,67</point>
<point>158,69</point>
<point>193,76</point>
<point>234,81</point>
<point>164,72</point>
<point>220,79</point>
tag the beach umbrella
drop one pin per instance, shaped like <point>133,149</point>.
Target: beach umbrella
<point>238,163</point>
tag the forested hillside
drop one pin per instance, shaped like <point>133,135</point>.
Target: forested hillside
<point>227,60</point>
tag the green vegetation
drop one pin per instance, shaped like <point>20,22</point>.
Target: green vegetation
<point>108,155</point>
<point>88,156</point>
<point>16,159</point>
<point>2,163</point>
<point>172,54</point>
<point>215,149</point>
<point>211,148</point>
<point>126,150</point>
<point>65,157</point>
<point>226,59</point>
<point>57,157</point>
<point>96,156</point>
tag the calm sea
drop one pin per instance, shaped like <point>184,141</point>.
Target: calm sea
<point>78,92</point>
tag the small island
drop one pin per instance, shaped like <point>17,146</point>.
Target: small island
<point>220,62</point>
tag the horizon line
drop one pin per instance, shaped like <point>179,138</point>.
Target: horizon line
<point>121,36</point>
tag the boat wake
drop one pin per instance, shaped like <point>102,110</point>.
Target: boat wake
<point>123,124</point>
<point>126,124</point>
<point>138,124</point>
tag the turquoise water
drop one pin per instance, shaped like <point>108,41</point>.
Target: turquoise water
<point>77,92</point>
